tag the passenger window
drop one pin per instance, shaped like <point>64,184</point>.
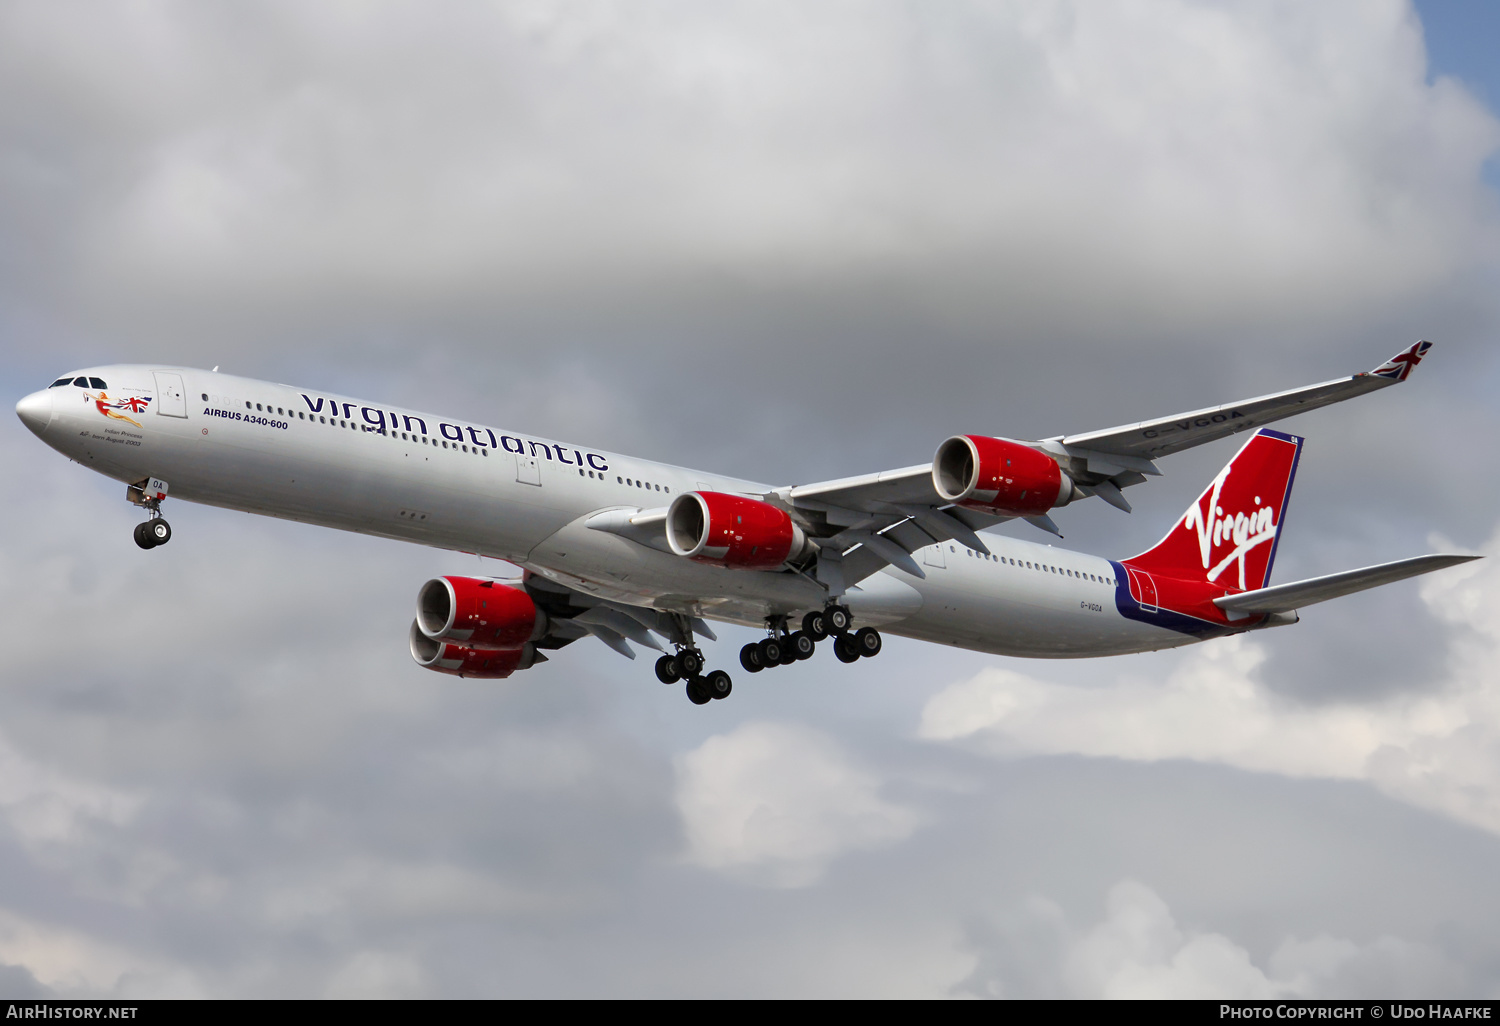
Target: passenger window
<point>205,397</point>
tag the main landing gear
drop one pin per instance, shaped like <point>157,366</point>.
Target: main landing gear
<point>687,664</point>
<point>783,648</point>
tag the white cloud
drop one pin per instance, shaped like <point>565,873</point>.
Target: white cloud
<point>46,806</point>
<point>377,975</point>
<point>1140,950</point>
<point>75,961</point>
<point>775,803</point>
<point>1439,749</point>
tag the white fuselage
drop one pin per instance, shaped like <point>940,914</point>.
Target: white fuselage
<point>339,462</point>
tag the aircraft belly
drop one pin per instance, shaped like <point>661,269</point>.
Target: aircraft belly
<point>1023,610</point>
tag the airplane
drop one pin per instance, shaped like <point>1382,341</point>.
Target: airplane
<point>629,550</point>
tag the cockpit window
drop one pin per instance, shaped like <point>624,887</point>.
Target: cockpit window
<point>81,382</point>
<point>61,381</point>
<point>97,383</point>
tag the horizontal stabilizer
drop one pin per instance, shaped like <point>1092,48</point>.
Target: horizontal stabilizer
<point>1285,597</point>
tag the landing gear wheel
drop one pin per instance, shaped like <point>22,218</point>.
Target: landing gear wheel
<point>718,684</point>
<point>666,670</point>
<point>788,653</point>
<point>844,649</point>
<point>770,652</point>
<point>814,625</point>
<point>697,691</point>
<point>142,538</point>
<point>802,644</point>
<point>689,663</point>
<point>837,619</point>
<point>159,530</point>
<point>867,641</point>
<point>750,658</point>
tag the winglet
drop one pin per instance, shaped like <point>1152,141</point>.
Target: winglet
<point>1400,365</point>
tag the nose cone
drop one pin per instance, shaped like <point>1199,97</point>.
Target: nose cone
<point>35,411</point>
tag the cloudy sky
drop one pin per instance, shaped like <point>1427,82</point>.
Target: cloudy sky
<point>793,242</point>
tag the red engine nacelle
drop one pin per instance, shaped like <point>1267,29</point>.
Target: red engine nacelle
<point>462,661</point>
<point>732,531</point>
<point>999,476</point>
<point>478,614</point>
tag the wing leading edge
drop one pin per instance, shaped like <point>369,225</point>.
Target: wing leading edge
<point>1167,435</point>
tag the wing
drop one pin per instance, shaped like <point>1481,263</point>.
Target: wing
<point>573,614</point>
<point>1166,435</point>
<point>862,524</point>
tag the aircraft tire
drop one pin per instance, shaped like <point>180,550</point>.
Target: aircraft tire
<point>867,642</point>
<point>837,619</point>
<point>697,691</point>
<point>750,658</point>
<point>844,649</point>
<point>718,684</point>
<point>143,539</point>
<point>814,626</point>
<point>666,670</point>
<point>803,645</point>
<point>689,663</point>
<point>159,530</point>
<point>770,652</point>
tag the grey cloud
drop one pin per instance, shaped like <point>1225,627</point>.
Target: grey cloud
<point>784,241</point>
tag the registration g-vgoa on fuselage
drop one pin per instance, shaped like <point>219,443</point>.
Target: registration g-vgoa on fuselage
<point>626,550</point>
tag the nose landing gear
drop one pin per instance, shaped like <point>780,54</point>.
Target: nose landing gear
<point>153,532</point>
<point>148,494</point>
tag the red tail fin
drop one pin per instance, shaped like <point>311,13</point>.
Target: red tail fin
<point>1229,536</point>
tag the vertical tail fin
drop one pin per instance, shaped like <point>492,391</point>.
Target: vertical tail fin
<point>1229,536</point>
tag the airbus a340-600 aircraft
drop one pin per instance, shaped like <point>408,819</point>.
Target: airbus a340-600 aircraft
<point>624,549</point>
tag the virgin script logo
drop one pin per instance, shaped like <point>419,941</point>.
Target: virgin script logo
<point>1217,529</point>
